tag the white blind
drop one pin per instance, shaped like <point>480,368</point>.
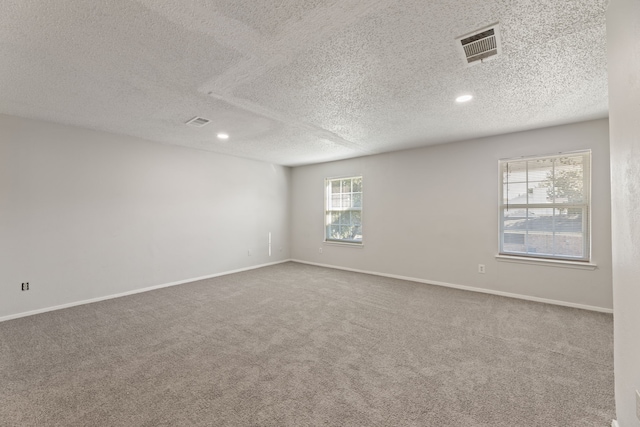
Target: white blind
<point>544,206</point>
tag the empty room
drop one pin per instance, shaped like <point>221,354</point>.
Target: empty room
<point>320,213</point>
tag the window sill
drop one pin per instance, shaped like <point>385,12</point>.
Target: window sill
<point>347,244</point>
<point>547,262</point>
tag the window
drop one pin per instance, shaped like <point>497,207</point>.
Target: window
<point>544,206</point>
<point>343,212</point>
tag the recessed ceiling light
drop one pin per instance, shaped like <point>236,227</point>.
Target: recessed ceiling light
<point>464,98</point>
<point>223,135</point>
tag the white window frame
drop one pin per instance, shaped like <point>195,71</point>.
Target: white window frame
<point>585,205</point>
<point>329,209</point>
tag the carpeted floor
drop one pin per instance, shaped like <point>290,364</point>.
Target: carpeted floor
<point>298,345</point>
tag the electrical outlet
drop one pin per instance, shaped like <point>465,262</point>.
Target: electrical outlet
<point>638,404</point>
<point>25,286</point>
<point>319,250</point>
<point>481,268</point>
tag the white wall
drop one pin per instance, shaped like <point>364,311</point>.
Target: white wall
<point>87,214</point>
<point>623,32</point>
<point>432,214</point>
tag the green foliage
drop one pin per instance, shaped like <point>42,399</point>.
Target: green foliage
<point>567,186</point>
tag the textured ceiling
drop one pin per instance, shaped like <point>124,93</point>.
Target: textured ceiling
<point>296,82</point>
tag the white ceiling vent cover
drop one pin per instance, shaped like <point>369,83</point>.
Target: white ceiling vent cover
<point>198,122</point>
<point>481,45</point>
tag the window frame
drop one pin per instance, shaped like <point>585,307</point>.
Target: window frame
<point>585,205</point>
<point>327,210</point>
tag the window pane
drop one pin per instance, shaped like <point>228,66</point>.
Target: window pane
<point>335,202</point>
<point>357,185</point>
<point>540,170</point>
<point>346,186</point>
<point>346,232</point>
<point>540,192</point>
<point>547,232</point>
<point>335,186</point>
<point>351,232</point>
<point>345,218</point>
<point>357,200</point>
<point>540,231</point>
<point>515,193</point>
<point>356,217</point>
<point>346,200</point>
<point>515,171</point>
<point>514,232</point>
<point>569,238</point>
<point>335,232</point>
<point>335,217</point>
<point>569,180</point>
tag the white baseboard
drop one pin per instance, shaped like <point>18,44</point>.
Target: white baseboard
<point>394,276</point>
<point>466,288</point>
<point>135,291</point>
<point>614,423</point>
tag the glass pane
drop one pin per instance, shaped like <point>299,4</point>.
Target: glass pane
<point>515,193</point>
<point>357,185</point>
<point>346,200</point>
<point>335,232</point>
<point>345,218</point>
<point>515,232</point>
<point>540,181</point>
<point>347,232</point>
<point>335,202</point>
<point>569,234</point>
<point>346,186</point>
<point>514,242</point>
<point>357,233</point>
<point>540,170</point>
<point>548,232</point>
<point>357,200</point>
<point>511,213</point>
<point>356,217</point>
<point>569,180</point>
<point>335,217</point>
<point>335,186</point>
<point>514,171</point>
<point>540,192</point>
<point>540,225</point>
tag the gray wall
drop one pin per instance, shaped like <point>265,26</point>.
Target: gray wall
<point>432,214</point>
<point>623,31</point>
<point>87,214</point>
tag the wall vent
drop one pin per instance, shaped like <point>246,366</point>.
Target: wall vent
<point>480,45</point>
<point>198,122</point>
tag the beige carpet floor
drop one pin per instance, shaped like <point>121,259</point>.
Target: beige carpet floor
<point>298,345</point>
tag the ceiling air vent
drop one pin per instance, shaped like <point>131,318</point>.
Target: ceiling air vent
<point>481,45</point>
<point>198,122</point>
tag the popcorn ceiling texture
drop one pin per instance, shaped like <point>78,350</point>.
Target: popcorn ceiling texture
<point>301,82</point>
